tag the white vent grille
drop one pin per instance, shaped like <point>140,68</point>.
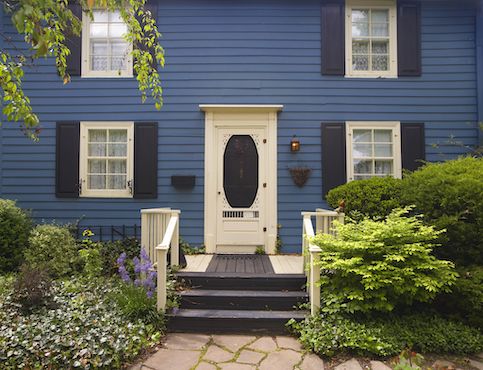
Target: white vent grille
<point>240,214</point>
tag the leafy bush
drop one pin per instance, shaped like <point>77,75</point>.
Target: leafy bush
<point>90,255</point>
<point>374,197</point>
<point>378,265</point>
<point>328,335</point>
<point>32,288</point>
<point>51,247</point>
<point>465,302</point>
<point>110,251</point>
<point>85,330</point>
<point>6,283</point>
<point>450,196</point>
<point>15,225</point>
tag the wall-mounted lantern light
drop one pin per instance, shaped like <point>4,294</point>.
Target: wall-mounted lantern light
<point>294,144</point>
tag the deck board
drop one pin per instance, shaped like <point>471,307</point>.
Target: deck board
<point>241,264</point>
<point>279,264</point>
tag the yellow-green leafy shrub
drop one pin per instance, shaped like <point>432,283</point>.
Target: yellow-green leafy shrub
<point>378,265</point>
<point>51,247</point>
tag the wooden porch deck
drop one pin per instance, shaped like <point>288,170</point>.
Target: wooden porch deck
<point>245,264</point>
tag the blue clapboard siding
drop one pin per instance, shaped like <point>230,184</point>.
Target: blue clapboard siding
<point>245,52</point>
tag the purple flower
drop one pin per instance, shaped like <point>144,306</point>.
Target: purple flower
<point>145,275</point>
<point>122,268</point>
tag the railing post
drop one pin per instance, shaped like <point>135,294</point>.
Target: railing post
<point>161,272</point>
<point>175,242</point>
<point>314,279</point>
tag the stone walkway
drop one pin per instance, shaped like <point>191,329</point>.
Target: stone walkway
<point>230,352</point>
<point>244,352</point>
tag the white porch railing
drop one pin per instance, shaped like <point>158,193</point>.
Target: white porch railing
<point>323,224</point>
<point>159,233</point>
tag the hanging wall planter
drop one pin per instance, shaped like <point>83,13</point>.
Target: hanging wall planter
<point>300,175</point>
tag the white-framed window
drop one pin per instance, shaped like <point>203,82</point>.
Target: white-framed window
<point>373,150</point>
<point>106,159</point>
<point>371,38</point>
<point>105,52</point>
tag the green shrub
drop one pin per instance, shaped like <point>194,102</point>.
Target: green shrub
<point>32,288</point>
<point>450,196</point>
<point>90,255</point>
<point>465,302</point>
<point>51,247</point>
<point>378,265</point>
<point>330,335</point>
<point>15,225</point>
<point>374,197</point>
<point>110,251</point>
<point>84,329</point>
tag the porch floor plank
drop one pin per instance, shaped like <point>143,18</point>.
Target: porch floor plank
<point>197,262</point>
<point>283,264</point>
<point>255,264</point>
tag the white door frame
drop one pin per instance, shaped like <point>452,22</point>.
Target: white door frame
<point>239,116</point>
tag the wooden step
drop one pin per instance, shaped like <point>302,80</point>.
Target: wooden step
<point>242,299</point>
<point>231,321</point>
<point>235,281</point>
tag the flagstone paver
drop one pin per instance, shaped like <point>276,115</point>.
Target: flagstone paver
<point>285,359</point>
<point>217,354</point>
<point>234,366</point>
<point>352,364</point>
<point>186,341</point>
<point>312,362</point>
<point>289,342</point>
<point>177,359</point>
<point>233,342</point>
<point>264,344</point>
<point>205,366</point>
<point>477,364</point>
<point>250,357</point>
<point>378,365</point>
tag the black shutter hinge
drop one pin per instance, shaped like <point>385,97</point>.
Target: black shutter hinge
<point>129,185</point>
<point>79,186</point>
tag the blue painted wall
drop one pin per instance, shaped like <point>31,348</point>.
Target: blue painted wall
<point>246,52</point>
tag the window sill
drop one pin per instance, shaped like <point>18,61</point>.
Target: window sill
<point>106,196</point>
<point>108,76</point>
<point>372,76</point>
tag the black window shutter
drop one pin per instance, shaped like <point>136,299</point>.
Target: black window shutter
<point>152,6</point>
<point>74,43</point>
<point>145,160</point>
<point>413,149</point>
<point>333,37</point>
<point>67,160</point>
<point>409,38</point>
<point>333,155</point>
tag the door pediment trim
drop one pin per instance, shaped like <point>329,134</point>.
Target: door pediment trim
<point>240,107</point>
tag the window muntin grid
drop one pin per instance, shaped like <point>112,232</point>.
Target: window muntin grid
<point>370,39</point>
<point>108,51</point>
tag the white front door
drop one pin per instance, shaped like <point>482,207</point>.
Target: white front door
<point>241,181</point>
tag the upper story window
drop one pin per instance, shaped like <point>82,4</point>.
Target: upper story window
<point>373,150</point>
<point>371,40</point>
<point>106,159</point>
<point>105,52</point>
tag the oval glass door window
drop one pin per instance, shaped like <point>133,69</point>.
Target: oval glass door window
<point>240,171</point>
